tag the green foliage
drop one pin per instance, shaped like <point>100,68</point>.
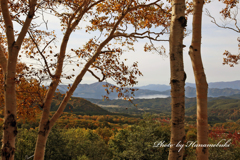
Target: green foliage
<point>219,153</point>
<point>85,144</point>
<point>84,157</point>
<point>137,141</point>
<point>64,144</point>
<point>25,143</point>
<point>120,138</point>
<point>220,109</point>
<point>56,143</point>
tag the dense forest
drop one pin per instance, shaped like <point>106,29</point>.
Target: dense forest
<point>128,135</point>
<point>84,137</point>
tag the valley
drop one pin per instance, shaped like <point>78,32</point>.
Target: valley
<point>223,103</point>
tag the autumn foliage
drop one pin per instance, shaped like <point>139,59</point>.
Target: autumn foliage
<point>29,93</point>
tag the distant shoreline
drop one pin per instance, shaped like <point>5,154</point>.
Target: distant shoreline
<point>152,96</point>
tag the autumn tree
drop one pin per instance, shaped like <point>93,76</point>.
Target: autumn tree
<point>29,93</point>
<point>121,22</point>
<point>12,45</point>
<point>177,80</point>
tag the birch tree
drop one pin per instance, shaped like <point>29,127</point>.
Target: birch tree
<point>121,22</point>
<point>200,80</point>
<point>178,77</point>
<point>9,64</point>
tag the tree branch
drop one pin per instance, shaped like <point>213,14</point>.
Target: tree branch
<point>146,5</point>
<point>221,26</point>
<point>41,53</point>
<point>8,23</point>
<point>89,63</point>
<point>141,35</point>
<point>99,80</point>
<point>26,23</point>
<point>83,71</point>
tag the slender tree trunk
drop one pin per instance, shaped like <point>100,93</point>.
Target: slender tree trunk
<point>10,115</point>
<point>200,80</point>
<point>44,125</point>
<point>178,77</point>
<point>9,68</point>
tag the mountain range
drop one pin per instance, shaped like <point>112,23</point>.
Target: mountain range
<point>97,91</point>
<point>219,85</point>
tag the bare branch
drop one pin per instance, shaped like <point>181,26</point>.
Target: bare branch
<point>222,26</point>
<point>100,80</point>
<point>44,20</point>
<point>141,35</point>
<point>41,52</point>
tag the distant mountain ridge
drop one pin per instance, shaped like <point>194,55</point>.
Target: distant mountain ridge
<point>212,92</point>
<point>97,91</point>
<point>219,85</point>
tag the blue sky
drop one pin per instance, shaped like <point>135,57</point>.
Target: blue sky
<point>156,68</point>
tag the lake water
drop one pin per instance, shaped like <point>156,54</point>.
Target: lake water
<point>152,96</point>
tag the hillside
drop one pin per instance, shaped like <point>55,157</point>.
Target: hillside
<point>156,105</point>
<point>79,106</point>
<point>220,108</point>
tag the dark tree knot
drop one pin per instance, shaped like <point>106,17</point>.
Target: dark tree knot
<point>183,21</point>
<point>174,81</point>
